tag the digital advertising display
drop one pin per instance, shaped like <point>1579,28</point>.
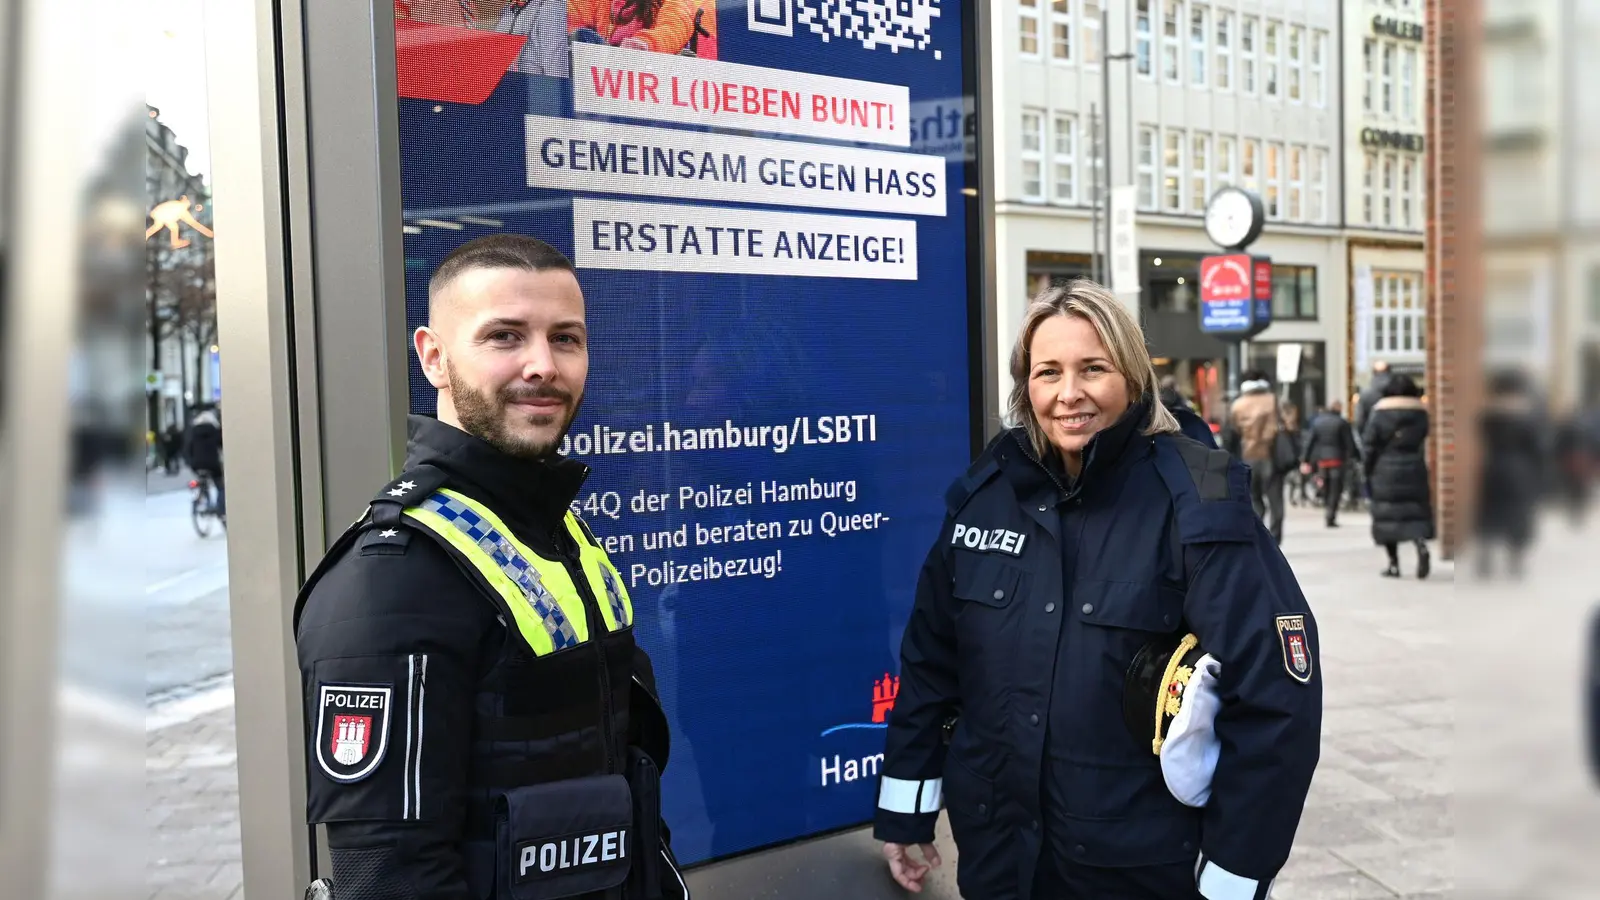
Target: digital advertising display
<point>769,207</point>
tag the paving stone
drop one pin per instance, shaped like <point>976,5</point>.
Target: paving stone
<point>1405,869</point>
<point>1350,885</point>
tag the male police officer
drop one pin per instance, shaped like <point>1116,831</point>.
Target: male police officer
<point>480,721</point>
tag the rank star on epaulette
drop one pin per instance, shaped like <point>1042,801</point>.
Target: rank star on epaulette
<point>403,488</point>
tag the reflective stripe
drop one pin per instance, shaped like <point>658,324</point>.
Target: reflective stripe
<point>901,796</point>
<point>1217,883</point>
<point>539,592</point>
<point>604,581</point>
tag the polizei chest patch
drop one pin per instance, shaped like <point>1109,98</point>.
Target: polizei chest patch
<point>584,852</point>
<point>988,540</point>
<point>352,729</point>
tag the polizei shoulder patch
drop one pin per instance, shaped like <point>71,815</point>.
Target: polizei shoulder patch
<point>353,729</point>
<point>1296,647</point>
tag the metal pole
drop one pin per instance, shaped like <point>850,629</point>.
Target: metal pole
<point>1104,175</point>
<point>1094,205</point>
<point>1234,362</point>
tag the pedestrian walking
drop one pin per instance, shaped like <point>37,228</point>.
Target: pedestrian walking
<point>1512,473</point>
<point>1395,462</point>
<point>1257,436</point>
<point>1329,452</point>
<point>1109,673</point>
<point>480,721</point>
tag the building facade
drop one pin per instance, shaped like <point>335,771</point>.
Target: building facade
<point>182,358</point>
<point>1240,92</point>
<point>1385,205</point>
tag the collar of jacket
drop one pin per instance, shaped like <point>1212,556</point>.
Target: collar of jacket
<point>531,496</point>
<point>1102,453</point>
<point>1398,403</point>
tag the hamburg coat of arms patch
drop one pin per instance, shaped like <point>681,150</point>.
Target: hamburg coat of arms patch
<point>1296,647</point>
<point>352,730</point>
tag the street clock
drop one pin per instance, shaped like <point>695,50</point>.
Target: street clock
<point>1234,218</point>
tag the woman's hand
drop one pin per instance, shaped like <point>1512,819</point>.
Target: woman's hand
<point>907,870</point>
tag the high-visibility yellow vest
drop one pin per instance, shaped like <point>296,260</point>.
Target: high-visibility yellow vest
<point>539,592</point>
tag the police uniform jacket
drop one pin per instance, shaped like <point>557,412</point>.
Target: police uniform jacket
<point>448,755</point>
<point>1035,598</point>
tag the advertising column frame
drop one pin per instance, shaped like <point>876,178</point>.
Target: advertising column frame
<point>310,274</point>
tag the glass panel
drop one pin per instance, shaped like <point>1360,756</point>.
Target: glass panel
<point>1308,292</point>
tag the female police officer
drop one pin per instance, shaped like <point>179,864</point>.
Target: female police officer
<point>1077,539</point>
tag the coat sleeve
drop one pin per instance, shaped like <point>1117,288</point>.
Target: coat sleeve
<point>1249,613</point>
<point>912,783</point>
<point>1372,443</point>
<point>378,620</point>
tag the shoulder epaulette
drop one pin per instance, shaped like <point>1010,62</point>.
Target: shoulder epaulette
<point>976,477</point>
<point>407,489</point>
<point>1207,469</point>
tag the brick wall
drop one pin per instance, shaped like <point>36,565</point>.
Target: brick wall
<point>1454,241</point>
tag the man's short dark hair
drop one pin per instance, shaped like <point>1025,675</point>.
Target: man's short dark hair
<point>497,251</point>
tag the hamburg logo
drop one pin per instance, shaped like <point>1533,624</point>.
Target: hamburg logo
<point>352,730</point>
<point>884,692</point>
<point>1296,652</point>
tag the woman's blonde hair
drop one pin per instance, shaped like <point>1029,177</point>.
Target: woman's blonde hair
<point>1118,331</point>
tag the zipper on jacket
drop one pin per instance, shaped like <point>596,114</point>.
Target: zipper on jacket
<point>597,632</point>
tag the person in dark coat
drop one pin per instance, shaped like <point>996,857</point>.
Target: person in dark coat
<point>1394,447</point>
<point>1083,535</point>
<point>1373,393</point>
<point>1329,450</point>
<point>1512,474</point>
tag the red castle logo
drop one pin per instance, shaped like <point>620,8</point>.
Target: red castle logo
<point>883,694</point>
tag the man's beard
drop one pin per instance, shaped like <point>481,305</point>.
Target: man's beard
<point>484,417</point>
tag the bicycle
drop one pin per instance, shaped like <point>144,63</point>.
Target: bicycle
<point>203,508</point>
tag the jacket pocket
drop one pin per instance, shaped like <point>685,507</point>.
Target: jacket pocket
<point>1128,841</point>
<point>566,838</point>
<point>989,581</point>
<point>1131,605</point>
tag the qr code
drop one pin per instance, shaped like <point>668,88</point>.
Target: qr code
<point>896,24</point>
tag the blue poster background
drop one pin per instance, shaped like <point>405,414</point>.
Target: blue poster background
<point>770,683</point>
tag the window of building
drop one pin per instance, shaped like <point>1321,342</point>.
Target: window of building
<point>1247,55</point>
<point>1028,21</point>
<point>1172,172</point>
<point>1297,183</point>
<point>1064,160</point>
<point>1271,50</point>
<point>1141,37</point>
<point>1224,48</point>
<point>1199,26</point>
<point>1369,173</point>
<point>1408,180</point>
<point>1297,39</point>
<point>1368,50</point>
<point>1386,80</point>
<point>1032,154</point>
<point>1408,82</point>
<point>1399,313</point>
<point>1317,211</point>
<point>1061,30</point>
<point>1387,197</point>
<point>1091,32</point>
<point>1294,292</point>
<point>1274,179</point>
<point>1147,168</point>
<point>1169,42</point>
<point>1225,174</point>
<point>1250,166</point>
<point>1319,82</point>
<point>1199,172</point>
